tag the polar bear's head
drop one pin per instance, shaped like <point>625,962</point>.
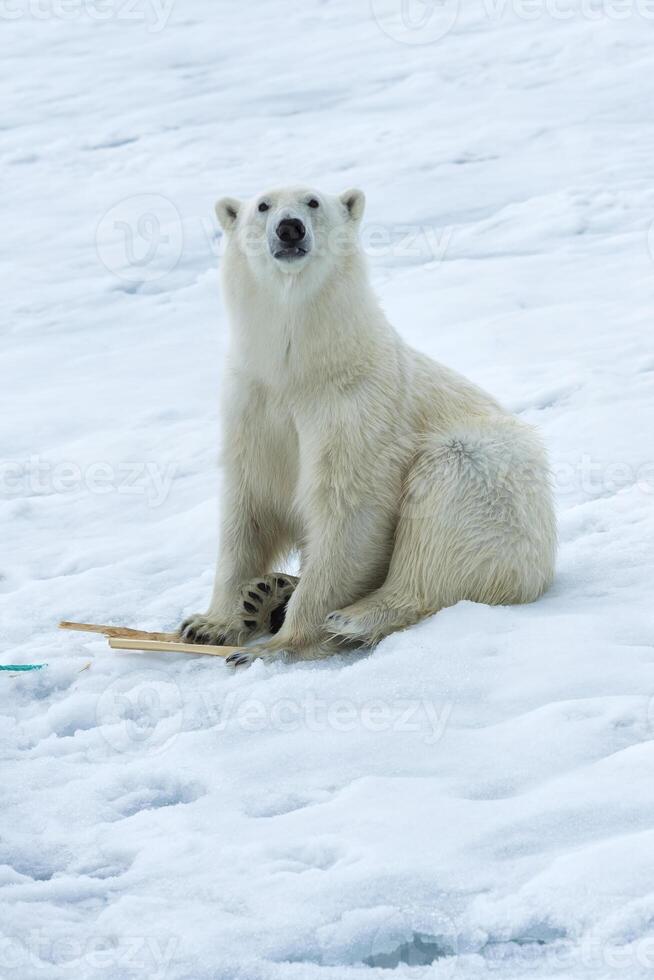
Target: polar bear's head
<point>295,231</point>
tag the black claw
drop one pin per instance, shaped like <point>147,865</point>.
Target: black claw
<point>264,587</point>
<point>236,658</point>
<point>253,595</point>
<point>249,607</point>
<point>249,624</point>
<point>282,583</point>
<point>277,617</point>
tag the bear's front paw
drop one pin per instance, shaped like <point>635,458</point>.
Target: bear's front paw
<point>204,629</point>
<point>277,651</point>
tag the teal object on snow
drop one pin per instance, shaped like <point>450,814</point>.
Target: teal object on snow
<point>22,666</point>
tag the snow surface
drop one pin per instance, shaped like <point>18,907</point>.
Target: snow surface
<point>479,793</point>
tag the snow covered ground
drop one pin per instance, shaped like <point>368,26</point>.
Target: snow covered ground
<point>477,797</point>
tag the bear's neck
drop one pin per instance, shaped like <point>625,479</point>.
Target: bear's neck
<point>291,335</point>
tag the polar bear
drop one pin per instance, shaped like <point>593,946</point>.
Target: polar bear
<point>403,486</point>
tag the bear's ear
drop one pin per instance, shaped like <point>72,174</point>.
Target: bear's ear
<point>355,202</point>
<point>227,210</point>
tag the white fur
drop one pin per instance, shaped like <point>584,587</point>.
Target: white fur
<point>404,487</point>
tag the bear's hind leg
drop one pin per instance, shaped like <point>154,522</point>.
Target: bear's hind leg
<point>476,522</point>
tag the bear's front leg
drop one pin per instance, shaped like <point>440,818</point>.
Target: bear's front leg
<point>254,528</point>
<point>347,557</point>
<point>348,487</point>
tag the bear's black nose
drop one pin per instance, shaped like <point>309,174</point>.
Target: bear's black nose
<point>291,231</point>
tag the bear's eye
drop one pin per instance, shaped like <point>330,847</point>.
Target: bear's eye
<point>313,203</point>
<point>263,206</point>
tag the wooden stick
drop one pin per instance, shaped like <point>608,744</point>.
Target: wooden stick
<point>121,643</point>
<point>125,638</point>
<point>124,631</point>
